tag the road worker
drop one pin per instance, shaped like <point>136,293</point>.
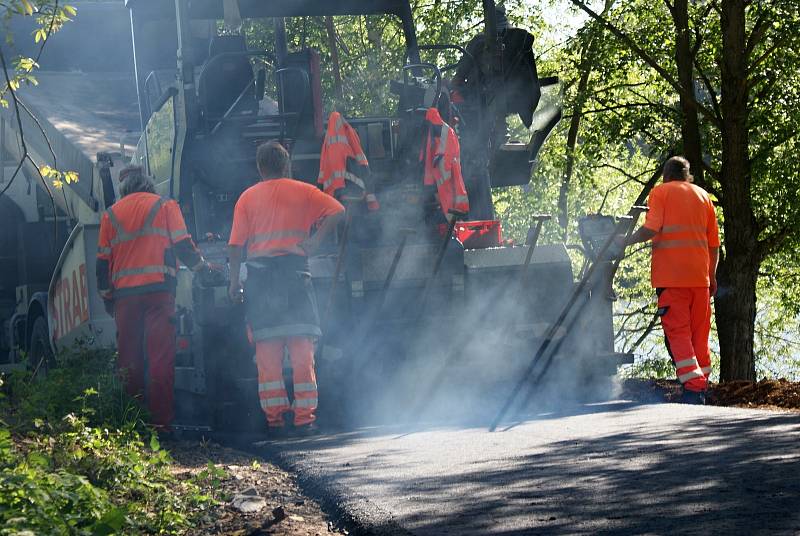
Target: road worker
<point>683,227</point>
<point>274,220</point>
<point>141,238</point>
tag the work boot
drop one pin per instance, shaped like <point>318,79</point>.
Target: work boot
<point>277,432</point>
<point>695,398</point>
<point>305,430</point>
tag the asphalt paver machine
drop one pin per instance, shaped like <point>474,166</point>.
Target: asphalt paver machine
<point>216,78</point>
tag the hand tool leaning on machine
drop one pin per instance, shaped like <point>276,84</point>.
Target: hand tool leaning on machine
<point>624,227</point>
<point>357,347</point>
<point>348,202</point>
<point>453,217</point>
<point>534,231</point>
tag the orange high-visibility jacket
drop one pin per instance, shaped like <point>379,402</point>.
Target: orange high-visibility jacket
<point>441,155</point>
<point>274,216</point>
<point>342,145</point>
<point>683,217</point>
<point>136,238</point>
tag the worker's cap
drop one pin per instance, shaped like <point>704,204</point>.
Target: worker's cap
<point>130,172</point>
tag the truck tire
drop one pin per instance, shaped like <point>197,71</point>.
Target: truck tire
<point>39,348</point>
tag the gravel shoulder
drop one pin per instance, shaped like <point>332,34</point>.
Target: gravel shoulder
<point>227,474</point>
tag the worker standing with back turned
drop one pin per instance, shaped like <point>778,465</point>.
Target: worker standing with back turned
<point>274,220</point>
<point>141,238</point>
<point>683,227</point>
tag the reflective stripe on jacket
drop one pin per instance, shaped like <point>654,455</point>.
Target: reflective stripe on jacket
<point>136,238</point>
<point>342,159</point>
<point>441,156</point>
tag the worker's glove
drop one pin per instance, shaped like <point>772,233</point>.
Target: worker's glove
<point>211,275</point>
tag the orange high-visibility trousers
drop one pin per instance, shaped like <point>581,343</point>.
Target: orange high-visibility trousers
<point>687,323</point>
<point>271,389</point>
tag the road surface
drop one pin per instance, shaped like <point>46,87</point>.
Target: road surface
<point>611,468</point>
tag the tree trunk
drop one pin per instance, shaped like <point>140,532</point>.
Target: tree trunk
<point>585,67</point>
<point>736,303</point>
<point>684,60</point>
<point>572,137</point>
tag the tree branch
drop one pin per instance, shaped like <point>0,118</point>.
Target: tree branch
<point>648,59</point>
<point>775,46</point>
<point>772,241</point>
<point>709,87</point>
<point>765,151</point>
<point>760,28</point>
<point>18,118</point>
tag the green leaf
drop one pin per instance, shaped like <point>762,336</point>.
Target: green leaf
<point>113,521</point>
<point>155,446</point>
<point>27,7</point>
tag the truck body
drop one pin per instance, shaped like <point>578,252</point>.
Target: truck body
<point>207,81</point>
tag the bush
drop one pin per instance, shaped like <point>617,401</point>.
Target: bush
<point>73,460</point>
<point>62,390</point>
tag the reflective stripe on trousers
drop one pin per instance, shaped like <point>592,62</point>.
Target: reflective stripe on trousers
<point>691,369</point>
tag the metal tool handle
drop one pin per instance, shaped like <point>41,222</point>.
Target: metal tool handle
<point>533,237</point>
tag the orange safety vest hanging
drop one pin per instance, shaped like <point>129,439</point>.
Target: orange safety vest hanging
<point>138,254</point>
<point>342,158</point>
<point>441,156</point>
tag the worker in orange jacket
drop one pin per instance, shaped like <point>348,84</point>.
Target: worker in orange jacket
<point>683,227</point>
<point>141,238</point>
<point>274,220</point>
<point>343,163</point>
<point>441,157</point>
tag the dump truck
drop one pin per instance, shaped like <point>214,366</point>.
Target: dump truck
<point>189,89</point>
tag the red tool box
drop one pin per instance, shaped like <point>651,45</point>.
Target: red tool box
<point>479,234</point>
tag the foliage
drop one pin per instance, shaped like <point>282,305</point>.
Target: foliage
<point>49,17</point>
<point>74,459</point>
<point>83,381</point>
<point>58,178</point>
<point>77,479</point>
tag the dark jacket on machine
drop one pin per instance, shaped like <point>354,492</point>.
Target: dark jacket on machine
<point>522,92</point>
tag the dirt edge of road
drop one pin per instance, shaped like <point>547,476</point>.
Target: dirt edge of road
<point>286,510</point>
<point>780,394</point>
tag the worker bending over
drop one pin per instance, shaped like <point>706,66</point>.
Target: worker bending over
<point>274,219</point>
<point>683,226</point>
<point>140,237</point>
